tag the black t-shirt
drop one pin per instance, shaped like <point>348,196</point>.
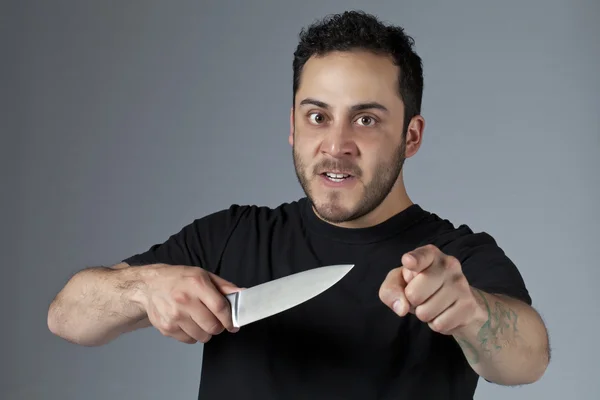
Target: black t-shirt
<point>344,343</point>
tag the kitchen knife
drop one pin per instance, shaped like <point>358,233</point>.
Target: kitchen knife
<point>270,298</point>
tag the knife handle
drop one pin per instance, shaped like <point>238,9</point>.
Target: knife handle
<point>233,299</point>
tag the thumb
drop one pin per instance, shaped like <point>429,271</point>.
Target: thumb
<point>223,285</point>
<point>392,294</point>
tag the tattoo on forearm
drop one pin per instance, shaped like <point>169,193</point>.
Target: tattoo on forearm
<point>497,332</point>
<point>500,329</point>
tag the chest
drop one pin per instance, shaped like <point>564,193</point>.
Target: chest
<point>349,315</point>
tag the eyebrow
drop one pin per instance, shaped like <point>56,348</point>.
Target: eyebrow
<point>356,107</point>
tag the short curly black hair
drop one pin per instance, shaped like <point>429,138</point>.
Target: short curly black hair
<point>353,30</point>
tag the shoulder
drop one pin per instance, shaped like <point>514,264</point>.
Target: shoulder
<point>484,262</point>
<point>238,214</point>
<point>456,239</point>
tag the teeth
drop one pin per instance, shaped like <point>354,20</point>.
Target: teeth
<point>336,176</point>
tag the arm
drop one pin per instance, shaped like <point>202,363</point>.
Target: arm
<point>172,286</point>
<point>99,304</point>
<point>503,339</point>
<point>506,341</point>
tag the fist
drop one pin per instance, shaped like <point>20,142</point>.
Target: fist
<point>188,303</point>
<point>432,286</point>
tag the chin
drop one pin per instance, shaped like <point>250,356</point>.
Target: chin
<point>333,214</point>
<point>334,209</point>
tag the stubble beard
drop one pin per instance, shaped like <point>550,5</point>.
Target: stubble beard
<point>374,193</point>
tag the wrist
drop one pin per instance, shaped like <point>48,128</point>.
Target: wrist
<point>479,317</point>
<point>134,282</point>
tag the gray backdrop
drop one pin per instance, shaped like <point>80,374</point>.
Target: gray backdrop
<point>123,121</point>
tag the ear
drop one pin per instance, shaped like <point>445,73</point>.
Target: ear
<point>414,135</point>
<point>291,137</point>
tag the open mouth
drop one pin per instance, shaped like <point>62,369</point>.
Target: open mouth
<point>335,177</point>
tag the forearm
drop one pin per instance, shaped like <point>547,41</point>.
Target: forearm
<point>97,305</point>
<point>507,343</point>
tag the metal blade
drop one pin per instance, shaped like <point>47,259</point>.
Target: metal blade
<point>270,298</point>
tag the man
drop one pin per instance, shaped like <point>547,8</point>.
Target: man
<point>428,307</point>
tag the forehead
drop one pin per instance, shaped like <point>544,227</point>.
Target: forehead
<point>346,78</point>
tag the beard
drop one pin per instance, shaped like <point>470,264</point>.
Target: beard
<point>330,206</point>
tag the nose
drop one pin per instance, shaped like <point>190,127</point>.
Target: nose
<point>339,142</point>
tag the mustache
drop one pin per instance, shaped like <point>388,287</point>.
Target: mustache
<point>345,167</point>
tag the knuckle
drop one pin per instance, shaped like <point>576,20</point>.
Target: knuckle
<point>220,304</point>
<point>461,281</point>
<point>411,295</point>
<point>176,315</point>
<point>206,339</point>
<point>215,329</point>
<point>387,292</point>
<point>188,340</point>
<point>390,279</point>
<point>437,325</point>
<point>427,249</point>
<point>384,289</point>
<point>392,273</point>
<point>422,314</point>
<point>168,328</point>
<point>180,297</point>
<point>452,263</point>
<point>198,281</point>
<point>393,278</point>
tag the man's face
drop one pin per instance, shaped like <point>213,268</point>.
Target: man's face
<point>347,133</point>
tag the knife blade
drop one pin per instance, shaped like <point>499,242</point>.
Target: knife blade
<point>270,298</point>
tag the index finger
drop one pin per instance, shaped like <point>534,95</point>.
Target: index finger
<point>216,302</point>
<point>420,258</point>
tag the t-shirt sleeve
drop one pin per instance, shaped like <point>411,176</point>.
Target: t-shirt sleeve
<point>487,267</point>
<point>199,243</point>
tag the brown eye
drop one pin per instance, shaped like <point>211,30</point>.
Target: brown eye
<point>366,121</point>
<point>316,118</point>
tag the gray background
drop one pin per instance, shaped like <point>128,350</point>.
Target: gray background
<point>123,121</point>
